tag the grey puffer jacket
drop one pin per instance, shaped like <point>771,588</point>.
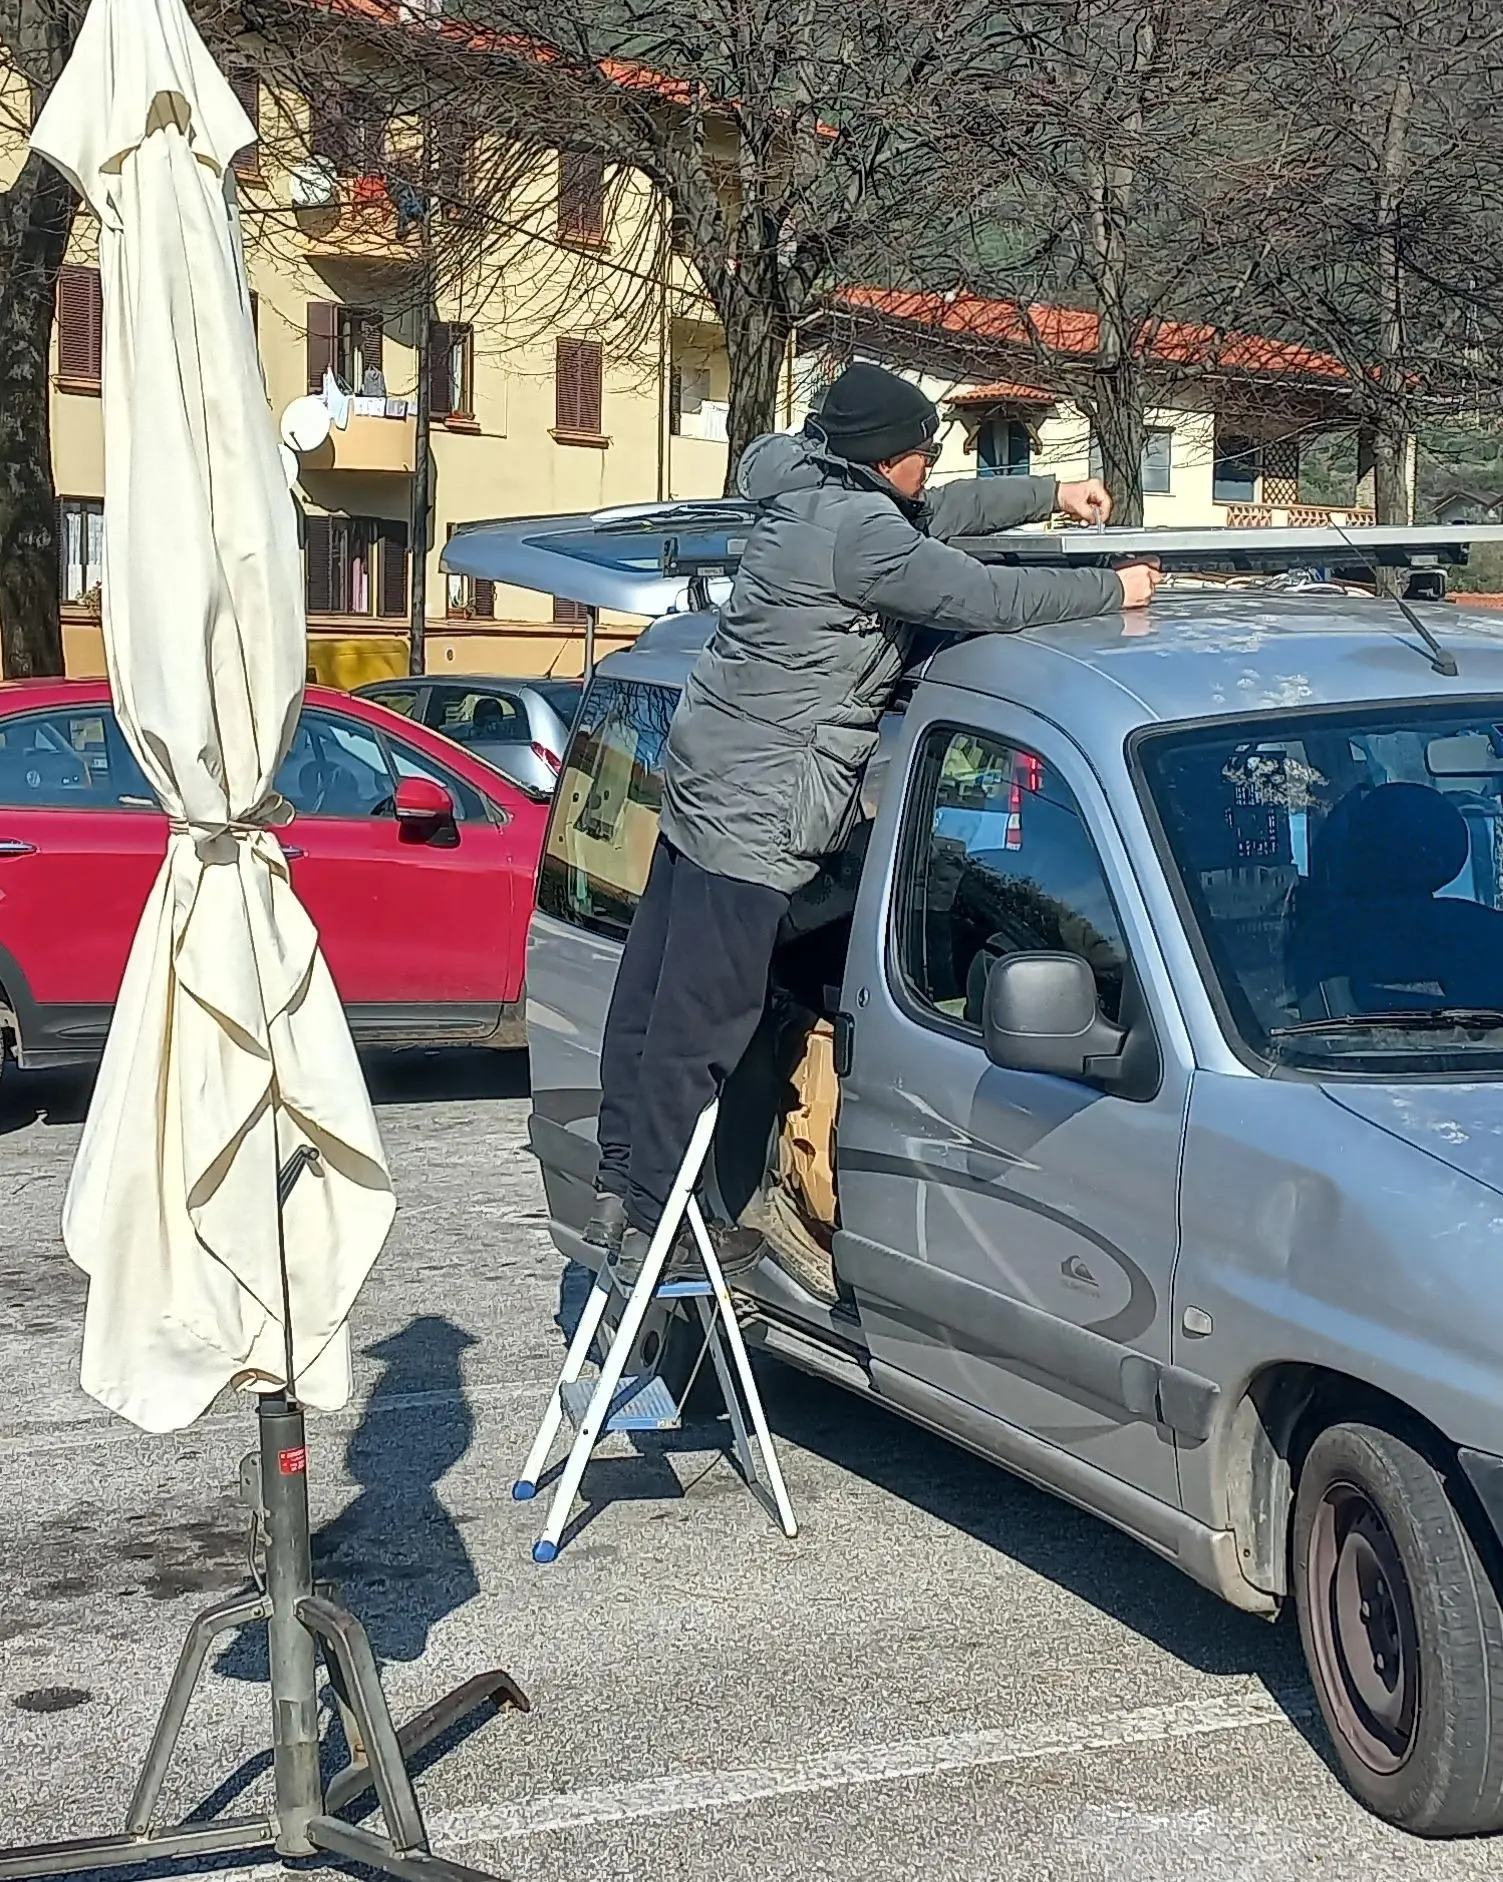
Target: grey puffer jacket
<point>839,575</point>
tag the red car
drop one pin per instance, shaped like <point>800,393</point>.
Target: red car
<point>415,859</point>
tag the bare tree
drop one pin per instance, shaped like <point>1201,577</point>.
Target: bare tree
<point>1391,245</point>
<point>1138,175</point>
<point>36,219</point>
<point>787,139</point>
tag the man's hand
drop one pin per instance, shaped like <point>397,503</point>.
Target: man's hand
<point>1139,581</point>
<point>1090,502</point>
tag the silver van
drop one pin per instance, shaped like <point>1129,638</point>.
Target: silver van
<point>1129,1102</point>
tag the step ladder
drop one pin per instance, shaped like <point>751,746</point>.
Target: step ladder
<point>620,1401</point>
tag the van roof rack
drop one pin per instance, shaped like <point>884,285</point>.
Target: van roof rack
<point>1323,546</point>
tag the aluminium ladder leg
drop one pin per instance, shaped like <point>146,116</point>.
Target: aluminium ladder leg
<point>713,1303</point>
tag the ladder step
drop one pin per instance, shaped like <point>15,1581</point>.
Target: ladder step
<point>642,1403</point>
<point>666,1290</point>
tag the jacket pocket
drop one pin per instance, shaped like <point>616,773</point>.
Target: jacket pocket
<point>826,786</point>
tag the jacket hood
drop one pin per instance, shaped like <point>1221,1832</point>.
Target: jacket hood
<point>1460,1125</point>
<point>783,462</point>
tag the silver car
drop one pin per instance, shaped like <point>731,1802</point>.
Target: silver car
<point>521,727</point>
<point>1129,1102</point>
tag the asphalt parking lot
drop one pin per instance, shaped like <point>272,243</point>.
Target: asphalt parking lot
<point>946,1675</point>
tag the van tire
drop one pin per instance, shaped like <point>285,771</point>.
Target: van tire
<point>1402,1631</point>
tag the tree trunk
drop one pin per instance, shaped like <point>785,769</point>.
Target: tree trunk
<point>37,217</point>
<point>1117,422</point>
<point>1391,467</point>
<point>756,344</point>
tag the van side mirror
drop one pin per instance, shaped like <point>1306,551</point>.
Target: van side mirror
<point>1041,1014</point>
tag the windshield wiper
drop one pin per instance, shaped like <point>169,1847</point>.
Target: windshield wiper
<point>1431,1019</point>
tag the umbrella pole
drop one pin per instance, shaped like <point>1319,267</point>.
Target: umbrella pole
<point>300,1618</point>
<point>291,1648</point>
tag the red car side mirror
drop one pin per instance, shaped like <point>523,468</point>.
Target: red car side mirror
<point>422,801</point>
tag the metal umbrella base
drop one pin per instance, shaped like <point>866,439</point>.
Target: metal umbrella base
<point>300,1622</point>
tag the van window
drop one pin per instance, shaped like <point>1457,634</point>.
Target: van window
<point>604,824</point>
<point>997,860</point>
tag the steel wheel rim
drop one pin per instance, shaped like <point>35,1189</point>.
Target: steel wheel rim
<point>1365,1635</point>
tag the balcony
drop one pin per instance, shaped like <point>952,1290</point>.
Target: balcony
<point>1294,516</point>
<point>381,446</point>
<point>359,222</point>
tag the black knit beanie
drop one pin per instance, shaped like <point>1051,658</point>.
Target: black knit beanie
<point>870,415</point>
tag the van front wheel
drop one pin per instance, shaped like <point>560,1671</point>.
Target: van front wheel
<point>1403,1633</point>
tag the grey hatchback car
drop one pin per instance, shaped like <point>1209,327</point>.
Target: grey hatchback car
<point>519,727</point>
<point>1128,1106</point>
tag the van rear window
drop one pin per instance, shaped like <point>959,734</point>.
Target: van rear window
<point>604,824</point>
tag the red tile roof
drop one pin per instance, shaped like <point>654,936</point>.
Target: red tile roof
<point>1076,332</point>
<point>1001,392</point>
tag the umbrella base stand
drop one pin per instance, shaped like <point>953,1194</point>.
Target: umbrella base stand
<point>301,1621</point>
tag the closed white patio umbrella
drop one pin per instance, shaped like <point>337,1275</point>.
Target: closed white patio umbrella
<point>229,1048</point>
<point>229,1069</point>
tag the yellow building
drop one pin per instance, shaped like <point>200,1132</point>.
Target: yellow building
<point>549,391</point>
<point>572,363</point>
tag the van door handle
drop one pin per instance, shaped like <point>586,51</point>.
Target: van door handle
<point>292,852</point>
<point>13,846</point>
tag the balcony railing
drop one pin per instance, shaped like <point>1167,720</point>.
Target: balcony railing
<point>360,223</point>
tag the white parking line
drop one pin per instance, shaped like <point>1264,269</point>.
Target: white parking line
<point>864,1764</point>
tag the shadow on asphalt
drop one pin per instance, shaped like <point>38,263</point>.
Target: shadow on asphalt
<point>1076,1551</point>
<point>412,1077</point>
<point>395,1553</point>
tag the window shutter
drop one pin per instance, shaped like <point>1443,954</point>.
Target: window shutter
<point>484,599</point>
<point>569,613</point>
<point>391,574</point>
<point>676,401</point>
<point>591,373</point>
<point>80,324</point>
<point>578,365</point>
<point>440,374</point>
<point>566,385</point>
<point>581,197</point>
<point>320,564</point>
<point>246,85</point>
<point>327,132</point>
<point>323,341</point>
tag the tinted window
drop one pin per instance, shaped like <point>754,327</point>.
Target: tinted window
<point>402,702</point>
<point>336,768</point>
<point>562,695</point>
<point>604,823</point>
<point>1345,873</point>
<point>73,759</point>
<point>997,860</point>
<point>473,717</point>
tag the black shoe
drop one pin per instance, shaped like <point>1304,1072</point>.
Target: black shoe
<point>739,1252</point>
<point>683,1263</point>
<point>607,1223</point>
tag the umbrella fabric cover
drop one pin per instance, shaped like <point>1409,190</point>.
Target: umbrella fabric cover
<point>229,1047</point>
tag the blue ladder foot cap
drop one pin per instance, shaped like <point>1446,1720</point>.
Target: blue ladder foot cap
<point>524,1491</point>
<point>544,1551</point>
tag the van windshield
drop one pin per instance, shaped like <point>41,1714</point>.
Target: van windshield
<point>1344,871</point>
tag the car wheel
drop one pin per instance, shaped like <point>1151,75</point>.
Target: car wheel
<point>1402,1631</point>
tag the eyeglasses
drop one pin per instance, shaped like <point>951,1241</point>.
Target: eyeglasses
<point>931,453</point>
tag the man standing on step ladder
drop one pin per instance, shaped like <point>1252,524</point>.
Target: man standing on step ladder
<point>848,561</point>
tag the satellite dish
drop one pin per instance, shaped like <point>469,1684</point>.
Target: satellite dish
<point>305,424</point>
<point>289,465</point>
<point>314,185</point>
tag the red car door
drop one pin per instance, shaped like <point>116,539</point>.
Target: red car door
<point>416,926</point>
<point>81,840</point>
